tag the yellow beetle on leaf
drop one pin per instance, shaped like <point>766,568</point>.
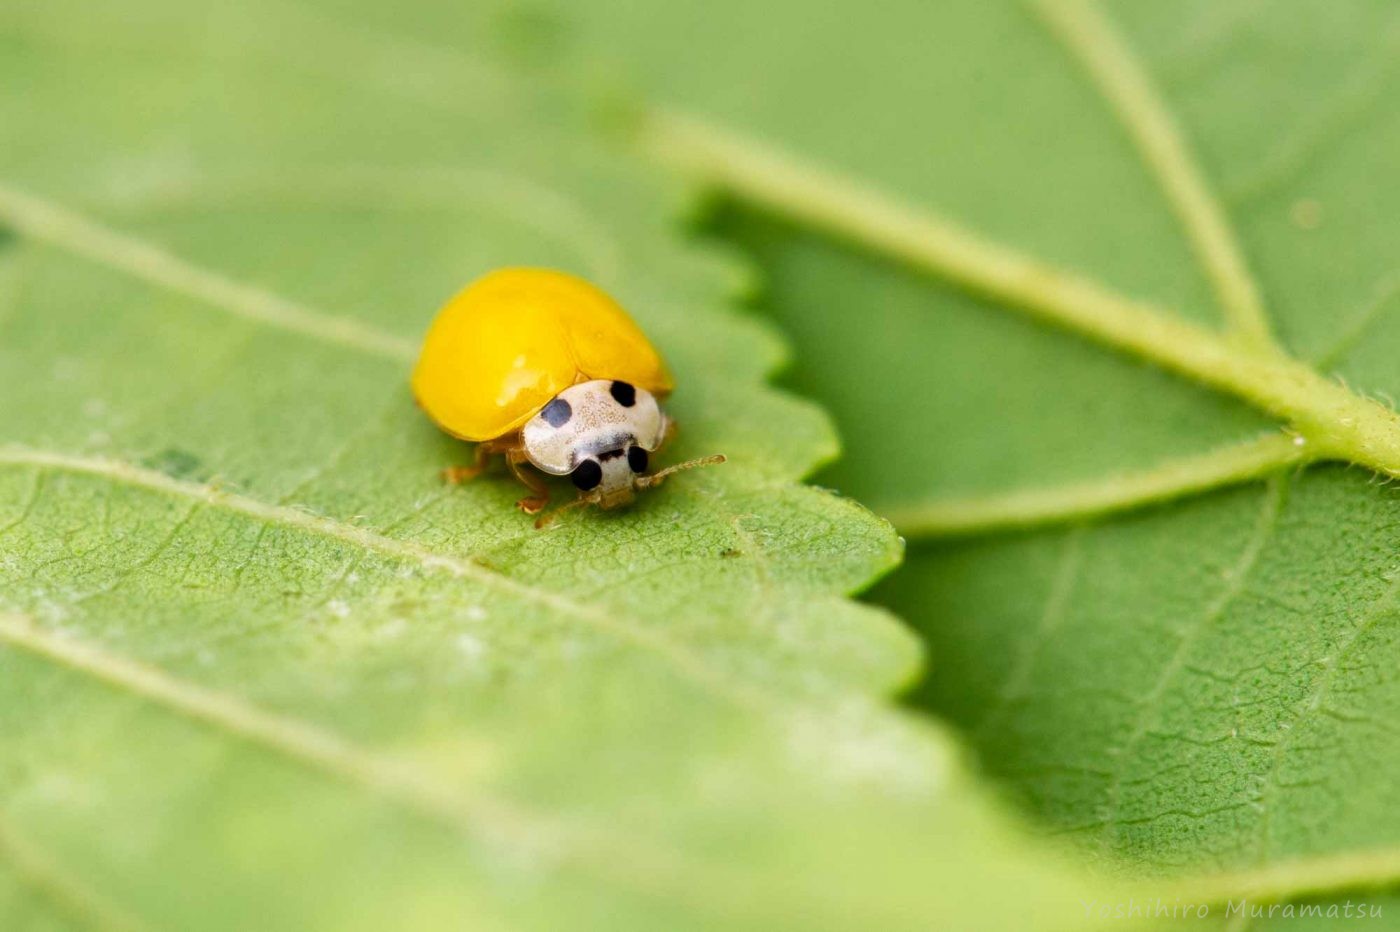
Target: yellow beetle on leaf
<point>545,368</point>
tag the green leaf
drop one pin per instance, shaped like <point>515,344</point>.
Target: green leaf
<point>259,668</point>
<point>1194,689</point>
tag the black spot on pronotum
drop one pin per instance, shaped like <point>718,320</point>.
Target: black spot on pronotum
<point>587,475</point>
<point>637,459</point>
<point>624,394</point>
<point>557,412</point>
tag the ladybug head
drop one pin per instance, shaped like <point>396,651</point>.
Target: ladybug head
<point>610,478</point>
<point>601,434</point>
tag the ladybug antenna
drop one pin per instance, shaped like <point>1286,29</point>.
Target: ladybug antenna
<point>656,478</point>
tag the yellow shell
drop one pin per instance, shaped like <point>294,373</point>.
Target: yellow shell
<point>516,337</point>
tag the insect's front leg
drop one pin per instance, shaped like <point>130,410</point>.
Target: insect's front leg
<point>583,501</point>
<point>531,504</point>
<point>480,458</point>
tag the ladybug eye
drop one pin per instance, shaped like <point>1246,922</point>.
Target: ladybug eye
<point>587,475</point>
<point>637,459</point>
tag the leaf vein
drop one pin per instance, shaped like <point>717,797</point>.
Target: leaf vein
<point>1367,868</point>
<point>682,659</point>
<point>1363,90</point>
<point>39,871</point>
<point>1313,704</point>
<point>289,737</point>
<point>1340,423</point>
<point>164,544</point>
<point>1264,528</point>
<point>47,222</point>
<point>1095,43</point>
<point>31,501</point>
<point>1176,478</point>
<point>1381,301</point>
<point>1052,614</point>
<point>611,853</point>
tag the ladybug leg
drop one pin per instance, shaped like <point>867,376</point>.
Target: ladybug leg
<point>481,458</point>
<point>581,502</point>
<point>530,504</point>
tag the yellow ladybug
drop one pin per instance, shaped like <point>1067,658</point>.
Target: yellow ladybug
<point>547,369</point>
